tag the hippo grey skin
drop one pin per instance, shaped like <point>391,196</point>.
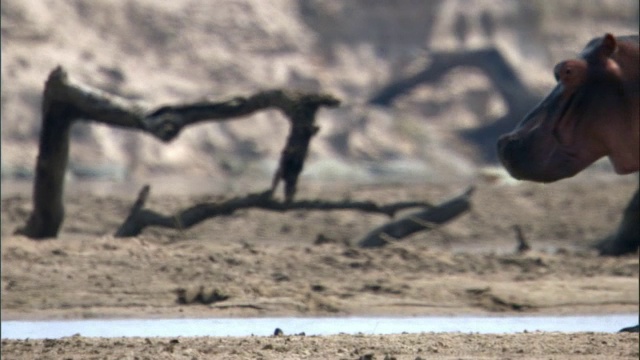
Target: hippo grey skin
<point>592,112</point>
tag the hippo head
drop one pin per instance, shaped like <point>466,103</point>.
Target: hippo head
<point>592,112</point>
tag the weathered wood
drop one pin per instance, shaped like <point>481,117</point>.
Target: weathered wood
<point>66,101</point>
<point>299,108</point>
<point>130,224</point>
<point>51,165</point>
<point>523,244</point>
<point>420,221</point>
<point>139,218</point>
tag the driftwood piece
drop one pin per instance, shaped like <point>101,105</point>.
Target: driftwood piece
<point>66,101</point>
<point>523,244</point>
<point>420,221</point>
<point>299,108</point>
<point>139,217</point>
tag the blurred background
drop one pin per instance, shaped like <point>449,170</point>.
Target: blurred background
<point>159,52</point>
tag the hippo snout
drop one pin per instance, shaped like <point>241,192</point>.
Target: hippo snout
<point>515,154</point>
<point>510,154</point>
<point>524,161</point>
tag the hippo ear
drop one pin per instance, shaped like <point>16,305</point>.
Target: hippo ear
<point>607,47</point>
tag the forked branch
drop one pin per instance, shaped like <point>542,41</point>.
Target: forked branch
<point>139,217</point>
<point>66,101</point>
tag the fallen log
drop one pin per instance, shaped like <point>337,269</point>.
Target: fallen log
<point>423,220</point>
<point>139,217</point>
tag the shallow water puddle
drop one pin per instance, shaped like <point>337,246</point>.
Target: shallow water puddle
<point>311,326</point>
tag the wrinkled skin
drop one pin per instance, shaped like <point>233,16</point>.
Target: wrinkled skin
<point>592,112</point>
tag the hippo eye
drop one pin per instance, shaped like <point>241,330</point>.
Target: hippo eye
<point>566,73</point>
<point>562,70</point>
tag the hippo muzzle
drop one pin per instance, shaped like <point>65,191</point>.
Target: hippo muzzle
<point>535,151</point>
<point>592,112</point>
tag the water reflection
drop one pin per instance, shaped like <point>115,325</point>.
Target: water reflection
<point>311,326</point>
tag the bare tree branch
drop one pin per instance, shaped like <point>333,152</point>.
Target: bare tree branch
<point>422,220</point>
<point>140,217</point>
<point>65,101</point>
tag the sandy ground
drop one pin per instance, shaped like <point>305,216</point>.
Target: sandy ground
<point>258,263</point>
<point>583,346</point>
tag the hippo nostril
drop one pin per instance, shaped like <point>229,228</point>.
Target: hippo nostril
<point>513,155</point>
<point>510,154</point>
